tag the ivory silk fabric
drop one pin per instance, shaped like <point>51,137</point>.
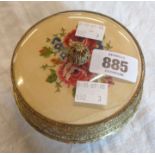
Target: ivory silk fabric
<point>16,135</point>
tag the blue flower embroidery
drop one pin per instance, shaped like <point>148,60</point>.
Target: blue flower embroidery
<point>100,45</point>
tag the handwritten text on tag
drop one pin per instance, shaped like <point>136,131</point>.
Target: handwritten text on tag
<point>91,92</point>
<point>90,30</point>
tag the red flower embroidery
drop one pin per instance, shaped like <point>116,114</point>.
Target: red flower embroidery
<point>70,73</point>
<point>71,37</point>
<point>108,79</point>
<point>91,44</point>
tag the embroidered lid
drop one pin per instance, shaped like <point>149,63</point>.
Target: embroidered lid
<point>50,59</point>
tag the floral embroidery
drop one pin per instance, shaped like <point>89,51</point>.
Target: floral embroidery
<point>69,59</point>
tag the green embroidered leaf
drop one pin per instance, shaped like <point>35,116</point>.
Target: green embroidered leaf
<point>48,39</point>
<point>44,66</point>
<point>46,52</point>
<point>58,86</point>
<point>73,91</point>
<point>63,32</point>
<point>52,77</point>
<point>108,46</point>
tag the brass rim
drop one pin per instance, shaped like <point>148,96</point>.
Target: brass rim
<point>93,123</point>
<point>84,136</point>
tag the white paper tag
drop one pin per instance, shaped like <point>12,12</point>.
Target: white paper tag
<point>91,31</point>
<point>114,64</point>
<point>91,92</point>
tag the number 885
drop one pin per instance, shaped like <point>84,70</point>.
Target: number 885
<point>115,64</point>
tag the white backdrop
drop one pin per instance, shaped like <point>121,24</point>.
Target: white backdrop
<point>16,135</point>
